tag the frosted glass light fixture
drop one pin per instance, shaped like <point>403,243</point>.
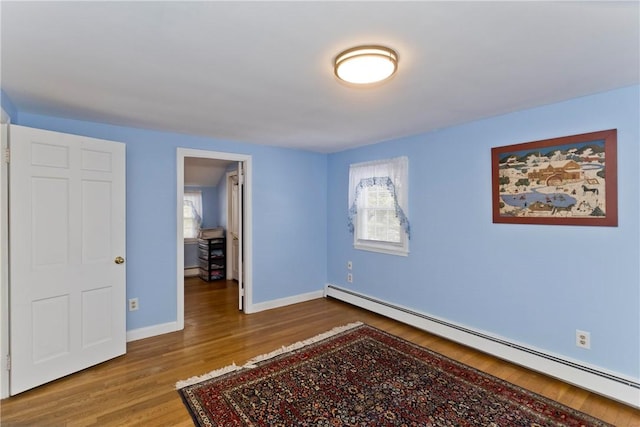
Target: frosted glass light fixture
<point>366,64</point>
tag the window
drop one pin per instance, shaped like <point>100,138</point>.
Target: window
<point>378,204</point>
<point>192,214</point>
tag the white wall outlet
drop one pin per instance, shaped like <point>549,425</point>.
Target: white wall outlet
<point>349,265</point>
<point>133,304</point>
<point>349,278</point>
<point>583,339</point>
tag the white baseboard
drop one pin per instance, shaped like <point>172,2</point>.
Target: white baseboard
<point>191,271</point>
<point>598,380</point>
<point>268,305</point>
<point>151,331</point>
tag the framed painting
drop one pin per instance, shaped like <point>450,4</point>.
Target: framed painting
<point>570,180</point>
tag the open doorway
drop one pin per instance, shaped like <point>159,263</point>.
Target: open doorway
<point>222,162</point>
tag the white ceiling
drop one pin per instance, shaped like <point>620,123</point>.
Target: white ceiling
<point>262,72</point>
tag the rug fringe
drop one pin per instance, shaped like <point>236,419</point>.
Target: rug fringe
<point>252,362</point>
<point>298,345</point>
<point>213,374</point>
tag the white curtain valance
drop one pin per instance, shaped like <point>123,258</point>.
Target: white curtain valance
<point>193,209</point>
<point>390,174</point>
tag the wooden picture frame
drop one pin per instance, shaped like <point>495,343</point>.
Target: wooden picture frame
<point>570,180</point>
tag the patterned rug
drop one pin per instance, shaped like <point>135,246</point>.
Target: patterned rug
<point>357,375</point>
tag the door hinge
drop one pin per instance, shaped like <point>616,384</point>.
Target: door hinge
<point>7,155</point>
<point>8,362</point>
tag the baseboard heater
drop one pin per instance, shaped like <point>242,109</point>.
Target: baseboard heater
<point>611,385</point>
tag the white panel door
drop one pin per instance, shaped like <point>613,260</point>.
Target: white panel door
<point>67,248</point>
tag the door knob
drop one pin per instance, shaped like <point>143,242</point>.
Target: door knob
<point>119,260</point>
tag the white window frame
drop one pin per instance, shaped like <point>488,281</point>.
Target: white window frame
<point>397,171</point>
<point>186,218</point>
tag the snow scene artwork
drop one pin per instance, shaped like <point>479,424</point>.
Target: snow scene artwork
<point>570,180</point>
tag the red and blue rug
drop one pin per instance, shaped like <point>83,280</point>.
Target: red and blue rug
<point>358,375</point>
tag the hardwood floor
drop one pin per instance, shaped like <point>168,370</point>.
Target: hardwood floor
<point>138,388</point>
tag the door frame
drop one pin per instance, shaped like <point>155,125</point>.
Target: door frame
<point>229,260</point>
<point>181,154</point>
<point>5,120</point>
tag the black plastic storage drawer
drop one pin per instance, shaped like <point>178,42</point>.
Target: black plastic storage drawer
<point>211,258</point>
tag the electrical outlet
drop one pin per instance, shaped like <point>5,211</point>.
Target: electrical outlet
<point>583,339</point>
<point>349,265</point>
<point>133,304</point>
<point>349,278</point>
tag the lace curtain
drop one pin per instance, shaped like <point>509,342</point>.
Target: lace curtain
<point>391,174</point>
<point>192,214</point>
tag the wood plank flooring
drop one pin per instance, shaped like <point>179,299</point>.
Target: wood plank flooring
<point>138,388</point>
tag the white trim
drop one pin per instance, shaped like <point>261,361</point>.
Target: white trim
<point>152,331</point>
<point>4,257</point>
<point>276,303</point>
<point>593,378</point>
<point>382,247</point>
<point>181,153</point>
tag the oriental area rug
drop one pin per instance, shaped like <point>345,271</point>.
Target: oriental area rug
<point>357,375</point>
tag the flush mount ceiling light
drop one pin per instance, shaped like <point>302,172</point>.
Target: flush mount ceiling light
<point>366,64</point>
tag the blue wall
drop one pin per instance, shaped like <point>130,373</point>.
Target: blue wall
<point>191,255</point>
<point>289,200</point>
<point>532,284</point>
<point>529,283</point>
<point>8,106</point>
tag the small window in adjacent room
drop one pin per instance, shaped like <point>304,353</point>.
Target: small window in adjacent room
<point>192,214</point>
<point>378,202</point>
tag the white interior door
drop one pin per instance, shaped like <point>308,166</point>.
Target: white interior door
<point>240,225</point>
<point>67,248</point>
<point>233,222</point>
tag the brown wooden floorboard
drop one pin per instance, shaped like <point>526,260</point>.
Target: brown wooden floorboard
<point>138,388</point>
